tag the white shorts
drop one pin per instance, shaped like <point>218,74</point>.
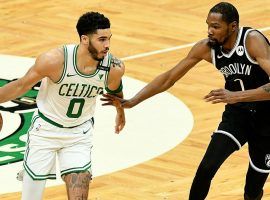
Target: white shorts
<point>71,145</point>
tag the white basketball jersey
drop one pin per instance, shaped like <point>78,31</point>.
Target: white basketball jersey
<point>71,101</point>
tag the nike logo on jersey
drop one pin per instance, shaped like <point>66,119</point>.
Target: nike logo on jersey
<point>219,56</point>
<point>69,75</point>
<point>84,132</point>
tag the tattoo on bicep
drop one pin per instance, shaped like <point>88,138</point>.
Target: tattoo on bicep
<point>116,62</point>
<point>266,87</point>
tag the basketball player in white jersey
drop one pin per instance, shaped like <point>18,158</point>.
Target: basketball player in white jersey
<point>242,55</point>
<point>72,78</point>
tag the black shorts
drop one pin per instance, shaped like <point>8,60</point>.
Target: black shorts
<point>252,126</point>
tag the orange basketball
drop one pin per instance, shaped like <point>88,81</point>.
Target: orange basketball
<point>1,121</point>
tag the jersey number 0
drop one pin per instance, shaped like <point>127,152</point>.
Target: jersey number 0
<point>75,108</point>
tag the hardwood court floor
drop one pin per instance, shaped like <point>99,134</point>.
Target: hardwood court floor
<point>29,27</point>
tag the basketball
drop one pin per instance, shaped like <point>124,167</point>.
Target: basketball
<point>1,121</point>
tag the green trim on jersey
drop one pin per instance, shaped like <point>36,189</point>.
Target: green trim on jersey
<point>76,67</point>
<point>59,125</point>
<point>27,169</point>
<point>76,169</point>
<point>30,128</point>
<point>37,177</point>
<point>119,89</point>
<point>65,65</point>
<point>107,72</point>
<point>49,120</point>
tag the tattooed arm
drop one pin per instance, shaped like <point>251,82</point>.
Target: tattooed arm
<point>117,70</point>
<point>114,87</point>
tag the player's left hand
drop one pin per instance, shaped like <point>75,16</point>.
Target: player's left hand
<point>120,119</point>
<point>221,96</point>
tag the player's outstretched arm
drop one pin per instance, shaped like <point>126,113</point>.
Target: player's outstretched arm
<point>167,79</point>
<point>39,70</point>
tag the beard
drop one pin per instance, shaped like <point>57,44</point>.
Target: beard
<point>214,43</point>
<point>94,52</point>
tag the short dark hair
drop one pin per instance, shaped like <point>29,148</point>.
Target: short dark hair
<point>228,11</point>
<point>89,22</point>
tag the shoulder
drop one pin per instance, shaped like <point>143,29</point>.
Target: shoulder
<point>117,67</point>
<point>256,43</point>
<point>51,58</point>
<point>201,50</point>
<point>50,63</point>
<point>202,45</point>
<point>255,36</point>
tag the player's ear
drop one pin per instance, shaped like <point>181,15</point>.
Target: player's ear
<point>234,26</point>
<point>84,39</point>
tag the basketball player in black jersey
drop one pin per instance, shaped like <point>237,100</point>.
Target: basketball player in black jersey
<point>242,55</point>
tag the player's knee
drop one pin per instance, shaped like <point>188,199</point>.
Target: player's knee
<point>77,185</point>
<point>85,177</point>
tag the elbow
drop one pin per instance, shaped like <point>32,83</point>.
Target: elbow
<point>171,79</point>
<point>165,81</point>
<point>172,82</point>
<point>169,83</point>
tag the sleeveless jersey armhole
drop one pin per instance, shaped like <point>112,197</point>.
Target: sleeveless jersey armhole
<point>213,57</point>
<point>246,51</point>
<point>65,65</point>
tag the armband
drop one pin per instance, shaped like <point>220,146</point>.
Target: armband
<point>119,89</point>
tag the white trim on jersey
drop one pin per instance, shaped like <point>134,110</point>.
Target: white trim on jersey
<point>231,136</point>
<point>258,169</point>
<point>228,55</point>
<point>246,52</point>
<point>213,57</point>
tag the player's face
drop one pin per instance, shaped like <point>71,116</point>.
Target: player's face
<point>219,31</point>
<point>99,44</point>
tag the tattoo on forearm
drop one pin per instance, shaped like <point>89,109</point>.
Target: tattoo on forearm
<point>266,87</point>
<point>116,62</point>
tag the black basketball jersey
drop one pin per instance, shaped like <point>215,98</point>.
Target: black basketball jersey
<point>240,71</point>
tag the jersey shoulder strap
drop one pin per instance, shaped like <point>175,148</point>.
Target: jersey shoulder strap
<point>105,64</point>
